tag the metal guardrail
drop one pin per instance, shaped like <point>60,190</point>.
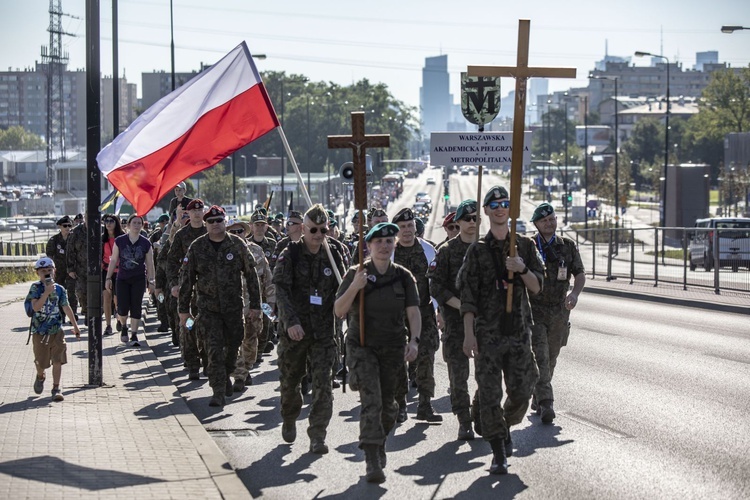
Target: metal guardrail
<point>662,255</point>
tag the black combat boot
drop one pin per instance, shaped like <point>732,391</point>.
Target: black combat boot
<point>499,464</point>
<point>425,410</point>
<point>373,471</point>
<point>465,432</point>
<point>546,411</point>
<point>402,416</point>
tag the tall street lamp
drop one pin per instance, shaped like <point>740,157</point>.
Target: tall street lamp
<point>732,29</point>
<point>283,169</point>
<point>244,174</point>
<point>617,147</point>
<point>663,214</point>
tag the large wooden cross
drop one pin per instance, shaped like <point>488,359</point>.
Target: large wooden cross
<point>521,72</point>
<point>358,142</point>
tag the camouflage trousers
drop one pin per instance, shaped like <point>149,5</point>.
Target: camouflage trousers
<point>70,287</point>
<point>293,359</point>
<point>81,286</point>
<point>264,334</point>
<point>249,348</point>
<point>376,370</point>
<point>192,345</point>
<point>550,324</point>
<point>509,358</point>
<point>170,305</point>
<point>429,341</point>
<point>161,311</point>
<point>222,335</point>
<point>458,368</point>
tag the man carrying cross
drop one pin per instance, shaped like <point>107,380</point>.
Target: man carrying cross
<point>495,304</point>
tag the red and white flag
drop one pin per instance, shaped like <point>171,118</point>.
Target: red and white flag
<point>191,129</point>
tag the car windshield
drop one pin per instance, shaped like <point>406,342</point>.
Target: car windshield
<point>739,229</point>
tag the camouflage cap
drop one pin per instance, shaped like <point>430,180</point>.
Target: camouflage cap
<point>317,214</point>
<point>258,216</point>
<point>214,211</point>
<point>495,193</point>
<point>195,204</point>
<point>467,207</point>
<point>403,215</point>
<point>237,222</point>
<point>449,218</point>
<point>382,230</point>
<point>542,211</point>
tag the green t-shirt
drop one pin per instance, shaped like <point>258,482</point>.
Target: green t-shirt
<point>386,298</point>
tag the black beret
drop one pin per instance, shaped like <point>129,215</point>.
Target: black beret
<point>403,215</point>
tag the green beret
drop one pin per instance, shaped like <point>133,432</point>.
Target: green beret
<point>467,207</point>
<point>382,230</point>
<point>403,215</point>
<point>258,216</point>
<point>495,193</point>
<point>542,211</point>
<point>420,226</point>
<point>163,218</point>
<point>279,216</point>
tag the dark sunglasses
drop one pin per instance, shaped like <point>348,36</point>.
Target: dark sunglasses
<point>215,220</point>
<point>501,204</point>
<point>469,218</point>
<point>109,221</point>
<point>292,223</point>
<point>313,230</point>
<point>452,227</point>
<point>237,231</point>
<point>67,225</point>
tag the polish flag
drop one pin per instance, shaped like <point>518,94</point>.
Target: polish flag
<point>191,129</point>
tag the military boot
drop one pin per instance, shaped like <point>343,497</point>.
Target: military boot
<point>465,432</point>
<point>425,410</point>
<point>373,470</point>
<point>217,400</point>
<point>401,416</point>
<point>499,464</point>
<point>546,411</point>
<point>289,430</point>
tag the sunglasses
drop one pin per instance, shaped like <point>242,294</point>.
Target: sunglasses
<point>292,223</point>
<point>498,204</point>
<point>452,227</point>
<point>109,221</point>
<point>67,225</point>
<point>469,218</point>
<point>215,220</point>
<point>313,230</point>
<point>237,231</point>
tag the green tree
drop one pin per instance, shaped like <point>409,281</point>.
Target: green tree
<point>646,142</point>
<point>216,187</point>
<point>18,138</point>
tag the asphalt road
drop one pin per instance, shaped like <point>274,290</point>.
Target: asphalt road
<point>652,402</point>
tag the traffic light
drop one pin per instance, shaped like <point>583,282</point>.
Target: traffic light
<point>569,197</point>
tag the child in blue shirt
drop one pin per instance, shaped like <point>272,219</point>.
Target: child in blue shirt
<point>45,304</point>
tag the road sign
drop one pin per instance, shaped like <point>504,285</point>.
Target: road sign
<point>491,149</point>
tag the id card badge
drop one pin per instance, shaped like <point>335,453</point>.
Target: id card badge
<point>562,273</point>
<point>316,299</point>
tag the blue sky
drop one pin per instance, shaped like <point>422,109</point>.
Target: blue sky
<point>384,41</point>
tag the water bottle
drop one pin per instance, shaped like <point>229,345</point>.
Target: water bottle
<point>189,323</point>
<point>268,311</point>
<point>160,298</point>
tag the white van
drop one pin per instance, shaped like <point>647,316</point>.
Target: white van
<point>733,240</point>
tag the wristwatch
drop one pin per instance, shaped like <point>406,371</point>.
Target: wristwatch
<point>525,270</point>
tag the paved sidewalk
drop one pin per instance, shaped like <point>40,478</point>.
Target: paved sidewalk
<point>133,438</point>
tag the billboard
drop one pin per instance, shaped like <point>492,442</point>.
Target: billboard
<point>598,135</point>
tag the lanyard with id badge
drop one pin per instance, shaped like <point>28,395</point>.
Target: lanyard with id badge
<point>546,246</point>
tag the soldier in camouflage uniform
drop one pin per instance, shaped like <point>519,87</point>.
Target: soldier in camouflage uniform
<point>249,348</point>
<point>77,259</point>
<point>216,265</point>
<point>551,308</point>
<point>190,342</point>
<point>391,299</point>
<point>500,341</point>
<point>415,255</point>
<point>259,236</point>
<point>442,274</point>
<point>374,216</point>
<point>57,251</point>
<point>305,291</point>
<point>293,233</point>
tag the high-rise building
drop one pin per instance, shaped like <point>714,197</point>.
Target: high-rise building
<point>157,84</point>
<point>434,96</point>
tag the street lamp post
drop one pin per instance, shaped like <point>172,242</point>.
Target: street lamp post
<point>732,29</point>
<point>663,214</point>
<point>244,174</point>
<point>617,148</point>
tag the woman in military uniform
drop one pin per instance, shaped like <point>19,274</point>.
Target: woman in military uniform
<point>390,291</point>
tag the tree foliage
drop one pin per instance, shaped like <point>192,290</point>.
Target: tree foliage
<point>18,138</point>
<point>216,186</point>
<point>726,99</point>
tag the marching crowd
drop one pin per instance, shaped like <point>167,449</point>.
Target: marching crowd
<point>229,290</point>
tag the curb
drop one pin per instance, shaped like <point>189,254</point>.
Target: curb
<point>626,294</point>
<point>228,483</point>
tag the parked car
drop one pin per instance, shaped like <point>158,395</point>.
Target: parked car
<point>733,235</point>
<point>520,226</point>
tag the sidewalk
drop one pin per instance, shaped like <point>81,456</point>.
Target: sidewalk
<point>133,438</point>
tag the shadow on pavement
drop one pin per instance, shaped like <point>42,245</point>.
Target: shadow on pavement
<point>160,410</point>
<point>447,454</point>
<point>271,471</point>
<point>495,487</point>
<point>360,490</point>
<point>46,469</point>
<point>537,436</point>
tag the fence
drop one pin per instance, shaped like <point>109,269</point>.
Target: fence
<point>668,255</point>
